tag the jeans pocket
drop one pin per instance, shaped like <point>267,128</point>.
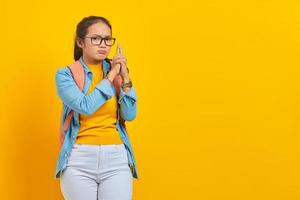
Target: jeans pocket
<point>118,148</point>
<point>74,154</point>
<point>118,153</point>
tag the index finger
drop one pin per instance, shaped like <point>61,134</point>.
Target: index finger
<point>120,50</point>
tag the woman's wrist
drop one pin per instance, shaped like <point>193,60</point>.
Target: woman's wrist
<point>109,78</point>
<point>126,78</point>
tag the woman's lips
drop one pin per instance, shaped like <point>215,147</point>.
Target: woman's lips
<point>102,52</point>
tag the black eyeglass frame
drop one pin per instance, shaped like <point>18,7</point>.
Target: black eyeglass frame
<point>91,37</point>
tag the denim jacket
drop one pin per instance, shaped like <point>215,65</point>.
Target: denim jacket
<point>82,103</point>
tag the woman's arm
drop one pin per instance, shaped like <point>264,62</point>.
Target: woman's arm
<point>127,101</point>
<point>73,97</point>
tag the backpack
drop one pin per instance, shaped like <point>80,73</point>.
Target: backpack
<point>79,77</point>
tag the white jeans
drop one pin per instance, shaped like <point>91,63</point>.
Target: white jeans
<point>97,172</point>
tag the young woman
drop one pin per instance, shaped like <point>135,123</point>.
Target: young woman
<point>96,159</point>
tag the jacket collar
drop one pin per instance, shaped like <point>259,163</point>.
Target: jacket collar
<point>105,65</point>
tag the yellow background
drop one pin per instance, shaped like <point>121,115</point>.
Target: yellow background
<point>218,91</point>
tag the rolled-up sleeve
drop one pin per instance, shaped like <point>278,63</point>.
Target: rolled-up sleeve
<point>128,103</point>
<point>72,96</point>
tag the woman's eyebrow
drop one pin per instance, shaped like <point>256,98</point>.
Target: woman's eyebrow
<point>101,35</point>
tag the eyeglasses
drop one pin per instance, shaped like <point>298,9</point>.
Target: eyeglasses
<point>97,40</point>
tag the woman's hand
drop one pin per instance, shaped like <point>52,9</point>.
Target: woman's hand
<point>120,59</point>
<point>115,66</point>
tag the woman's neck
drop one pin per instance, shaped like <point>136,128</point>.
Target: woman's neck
<point>88,61</point>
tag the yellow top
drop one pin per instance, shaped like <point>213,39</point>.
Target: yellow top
<point>100,127</point>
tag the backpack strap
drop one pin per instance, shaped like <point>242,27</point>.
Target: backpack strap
<point>79,77</point>
<point>77,73</point>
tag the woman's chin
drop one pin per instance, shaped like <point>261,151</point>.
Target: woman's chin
<point>100,57</point>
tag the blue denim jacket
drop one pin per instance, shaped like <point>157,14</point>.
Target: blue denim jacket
<point>81,103</point>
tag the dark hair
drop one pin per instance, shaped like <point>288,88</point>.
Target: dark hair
<point>82,28</point>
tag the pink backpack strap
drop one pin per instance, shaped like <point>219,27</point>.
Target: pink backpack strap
<point>78,73</point>
<point>79,78</point>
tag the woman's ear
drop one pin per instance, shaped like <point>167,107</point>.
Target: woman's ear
<point>79,42</point>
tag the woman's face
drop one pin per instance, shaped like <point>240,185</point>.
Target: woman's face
<point>98,52</point>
